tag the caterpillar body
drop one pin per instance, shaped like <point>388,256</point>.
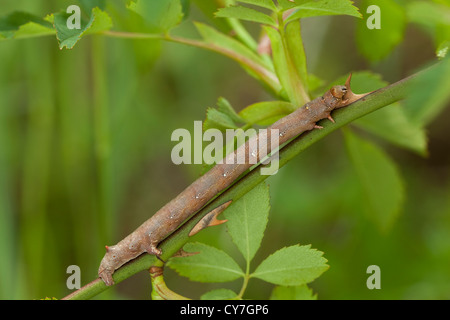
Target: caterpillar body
<point>146,238</point>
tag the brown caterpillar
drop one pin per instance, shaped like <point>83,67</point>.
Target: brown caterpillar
<point>146,237</point>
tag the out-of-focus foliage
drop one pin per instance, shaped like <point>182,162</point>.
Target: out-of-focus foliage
<point>85,145</point>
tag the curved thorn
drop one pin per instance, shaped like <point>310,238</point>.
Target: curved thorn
<point>350,96</point>
<point>210,219</point>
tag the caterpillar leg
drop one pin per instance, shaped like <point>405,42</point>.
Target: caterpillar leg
<point>152,249</point>
<point>106,276</point>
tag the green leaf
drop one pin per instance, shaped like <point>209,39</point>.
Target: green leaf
<point>218,120</point>
<point>285,68</point>
<point>162,14</point>
<point>430,93</point>
<point>292,266</point>
<point>268,4</point>
<point>263,113</point>
<point>244,13</point>
<point>219,39</point>
<point>209,265</point>
<point>247,220</point>
<point>225,107</point>
<point>224,117</point>
<point>288,4</point>
<point>428,13</point>
<point>88,5</point>
<point>432,17</point>
<point>100,21</point>
<point>23,25</point>
<point>324,8</point>
<point>390,123</point>
<point>295,47</point>
<point>301,292</point>
<point>376,44</point>
<point>208,8</point>
<point>380,180</point>
<point>219,294</point>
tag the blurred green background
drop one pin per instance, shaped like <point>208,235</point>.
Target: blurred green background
<point>85,159</point>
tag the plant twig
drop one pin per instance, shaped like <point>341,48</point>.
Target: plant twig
<point>370,103</point>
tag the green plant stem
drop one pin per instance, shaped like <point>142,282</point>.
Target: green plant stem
<point>376,100</point>
<point>245,282</point>
<point>298,95</point>
<point>267,76</point>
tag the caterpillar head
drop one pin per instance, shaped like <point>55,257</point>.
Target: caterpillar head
<point>108,265</point>
<point>345,95</point>
<point>339,92</point>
